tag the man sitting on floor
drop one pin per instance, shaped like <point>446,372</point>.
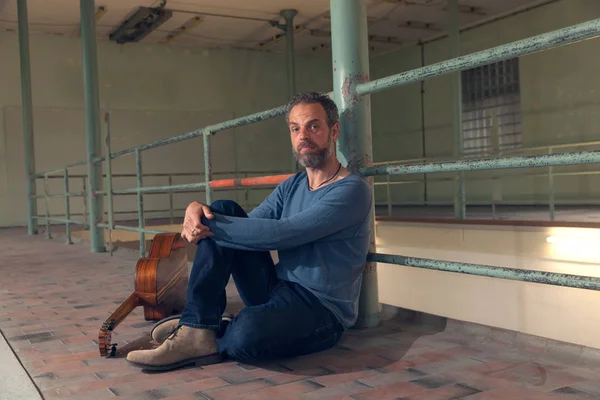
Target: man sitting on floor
<point>318,221</point>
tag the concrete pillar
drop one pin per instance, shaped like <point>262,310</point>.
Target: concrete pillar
<point>350,53</point>
<point>27,115</point>
<point>92,122</point>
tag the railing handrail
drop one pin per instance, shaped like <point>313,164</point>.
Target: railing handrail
<point>164,174</point>
<point>548,40</point>
<point>558,159</point>
<point>208,130</point>
<point>496,153</point>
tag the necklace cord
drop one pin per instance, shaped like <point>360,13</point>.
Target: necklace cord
<point>324,182</point>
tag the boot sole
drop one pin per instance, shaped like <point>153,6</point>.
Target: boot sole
<point>195,362</point>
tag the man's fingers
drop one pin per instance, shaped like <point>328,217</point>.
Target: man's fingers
<point>191,227</point>
<point>191,238</point>
<point>207,212</point>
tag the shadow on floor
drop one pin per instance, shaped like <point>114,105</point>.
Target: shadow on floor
<point>376,348</point>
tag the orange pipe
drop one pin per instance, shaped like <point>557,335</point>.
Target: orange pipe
<point>255,181</point>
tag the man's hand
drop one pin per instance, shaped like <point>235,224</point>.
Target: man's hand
<point>193,230</point>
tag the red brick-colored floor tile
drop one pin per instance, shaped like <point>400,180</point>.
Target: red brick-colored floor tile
<point>390,392</point>
<point>446,392</point>
<point>288,391</point>
<point>189,387</point>
<point>510,393</point>
<point>343,389</point>
<point>235,391</point>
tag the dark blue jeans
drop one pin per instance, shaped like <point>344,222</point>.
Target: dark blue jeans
<point>281,318</point>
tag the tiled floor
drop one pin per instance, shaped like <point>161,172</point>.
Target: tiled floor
<point>54,297</point>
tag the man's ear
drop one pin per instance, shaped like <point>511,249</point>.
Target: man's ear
<point>335,131</point>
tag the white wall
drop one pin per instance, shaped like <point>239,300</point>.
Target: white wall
<point>555,312</point>
<point>559,99</point>
<point>154,92</point>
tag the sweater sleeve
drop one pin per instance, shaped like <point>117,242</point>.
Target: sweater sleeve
<point>271,207</point>
<point>344,205</point>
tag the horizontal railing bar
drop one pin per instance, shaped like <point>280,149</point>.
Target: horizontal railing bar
<point>482,203</point>
<point>168,188</point>
<point>132,229</point>
<point>133,191</point>
<point>233,123</point>
<point>165,174</point>
<point>73,194</point>
<point>499,152</point>
<point>217,184</point>
<point>62,221</point>
<point>52,171</point>
<point>523,275</point>
<point>548,160</point>
<point>553,39</point>
<point>489,178</point>
<point>250,181</point>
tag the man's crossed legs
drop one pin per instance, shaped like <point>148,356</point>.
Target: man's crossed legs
<point>281,318</point>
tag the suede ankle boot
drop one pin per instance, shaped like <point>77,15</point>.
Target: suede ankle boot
<point>185,346</point>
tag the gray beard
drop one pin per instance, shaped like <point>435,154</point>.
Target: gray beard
<point>315,159</point>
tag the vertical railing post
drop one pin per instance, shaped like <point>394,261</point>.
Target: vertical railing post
<point>67,207</point>
<point>289,15</point>
<point>140,200</point>
<point>388,189</point>
<point>27,116</point>
<point>456,100</point>
<point>551,190</point>
<point>92,121</point>
<point>85,203</point>
<point>171,211</point>
<point>47,203</point>
<point>423,134</point>
<point>109,188</point>
<point>246,196</point>
<point>207,167</point>
<point>350,56</point>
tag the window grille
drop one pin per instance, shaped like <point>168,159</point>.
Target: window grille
<point>491,108</point>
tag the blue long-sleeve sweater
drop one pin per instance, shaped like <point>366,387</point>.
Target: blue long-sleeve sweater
<point>322,237</point>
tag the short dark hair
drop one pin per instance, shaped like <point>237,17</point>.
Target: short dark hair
<point>331,109</point>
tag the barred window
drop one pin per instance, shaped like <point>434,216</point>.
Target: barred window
<point>492,107</point>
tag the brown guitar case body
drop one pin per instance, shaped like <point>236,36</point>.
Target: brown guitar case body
<point>161,281</point>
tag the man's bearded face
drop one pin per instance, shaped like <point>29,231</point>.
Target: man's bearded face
<point>310,155</point>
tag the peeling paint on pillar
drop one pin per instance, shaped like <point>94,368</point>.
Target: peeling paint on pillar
<point>350,55</point>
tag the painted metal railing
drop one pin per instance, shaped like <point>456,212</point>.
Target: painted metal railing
<point>349,98</point>
<point>389,203</point>
<point>497,178</point>
<point>247,186</point>
<point>67,195</point>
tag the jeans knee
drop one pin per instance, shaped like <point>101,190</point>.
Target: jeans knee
<point>227,207</point>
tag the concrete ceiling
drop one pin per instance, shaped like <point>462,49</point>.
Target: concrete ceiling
<point>246,24</point>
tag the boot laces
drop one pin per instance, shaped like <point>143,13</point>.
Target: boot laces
<point>174,332</point>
